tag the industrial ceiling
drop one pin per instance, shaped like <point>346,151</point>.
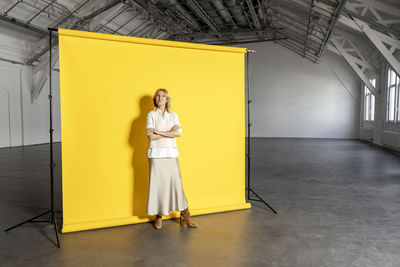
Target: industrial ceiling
<point>364,32</point>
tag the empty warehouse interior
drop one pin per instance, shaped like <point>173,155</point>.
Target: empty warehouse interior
<point>322,106</point>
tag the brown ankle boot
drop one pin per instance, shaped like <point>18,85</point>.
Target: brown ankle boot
<point>185,217</point>
<point>158,222</point>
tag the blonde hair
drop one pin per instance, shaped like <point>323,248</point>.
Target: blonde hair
<point>167,105</point>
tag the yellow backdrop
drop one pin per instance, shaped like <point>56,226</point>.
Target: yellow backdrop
<point>107,84</point>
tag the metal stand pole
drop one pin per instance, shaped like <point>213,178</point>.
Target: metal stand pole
<point>250,192</point>
<point>52,211</point>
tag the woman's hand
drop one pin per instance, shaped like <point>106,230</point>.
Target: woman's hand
<point>153,134</point>
<point>150,131</point>
<point>157,132</point>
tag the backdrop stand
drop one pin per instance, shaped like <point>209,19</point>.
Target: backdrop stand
<point>52,211</point>
<point>251,194</point>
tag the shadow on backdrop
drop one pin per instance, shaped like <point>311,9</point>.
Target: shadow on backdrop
<point>139,142</point>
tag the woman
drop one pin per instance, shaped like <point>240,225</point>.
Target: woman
<point>165,189</point>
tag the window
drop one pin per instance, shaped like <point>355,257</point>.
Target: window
<point>393,97</point>
<point>369,103</point>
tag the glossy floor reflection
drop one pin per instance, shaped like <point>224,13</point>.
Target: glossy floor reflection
<point>338,204</point>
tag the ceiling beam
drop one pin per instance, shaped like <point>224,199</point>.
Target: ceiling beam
<point>190,20</point>
<point>160,16</point>
<point>334,20</point>
<point>253,15</point>
<point>339,43</point>
<point>81,22</point>
<point>202,14</point>
<point>238,31</point>
<point>24,25</point>
<point>224,12</point>
<point>375,38</point>
<point>246,41</point>
<point>373,4</point>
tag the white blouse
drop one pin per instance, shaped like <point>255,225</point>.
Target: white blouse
<point>163,152</point>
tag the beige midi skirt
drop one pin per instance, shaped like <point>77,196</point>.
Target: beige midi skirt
<point>165,187</point>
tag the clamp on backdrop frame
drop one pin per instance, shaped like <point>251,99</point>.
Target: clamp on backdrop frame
<point>251,194</point>
<point>52,210</point>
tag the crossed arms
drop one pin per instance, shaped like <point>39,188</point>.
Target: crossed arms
<point>155,134</point>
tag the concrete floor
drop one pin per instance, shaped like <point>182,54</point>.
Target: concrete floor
<point>338,204</point>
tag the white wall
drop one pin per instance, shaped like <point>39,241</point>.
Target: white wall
<point>23,122</point>
<point>10,123</point>
<point>292,97</point>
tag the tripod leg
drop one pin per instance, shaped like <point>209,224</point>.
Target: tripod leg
<point>262,200</point>
<point>27,221</point>
<point>56,229</point>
